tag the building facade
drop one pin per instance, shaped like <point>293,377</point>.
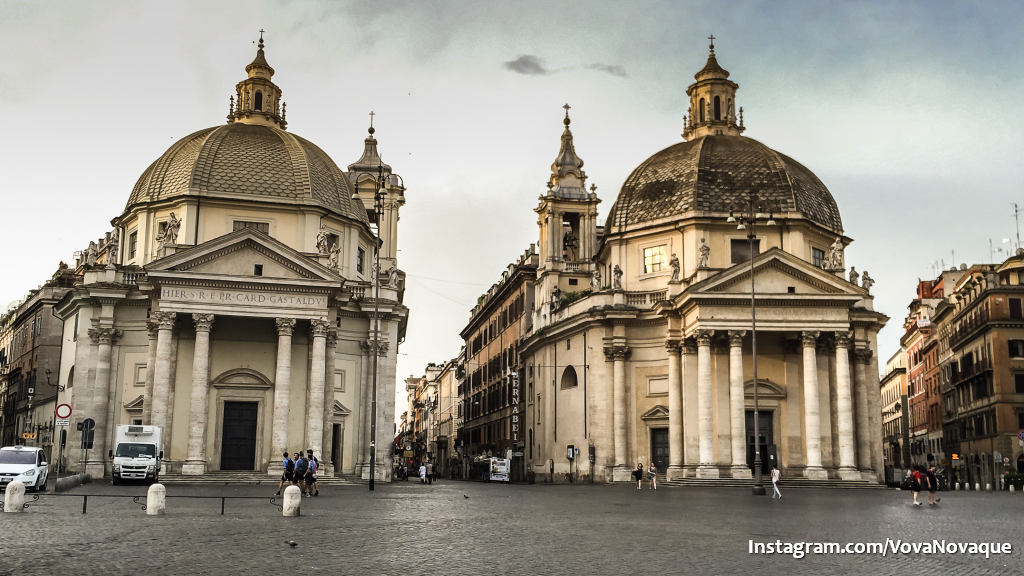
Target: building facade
<point>895,424</point>
<point>241,310</point>
<point>654,361</point>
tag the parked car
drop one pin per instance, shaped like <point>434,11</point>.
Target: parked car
<point>25,464</point>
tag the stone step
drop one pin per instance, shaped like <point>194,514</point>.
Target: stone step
<point>253,478</point>
<point>786,483</point>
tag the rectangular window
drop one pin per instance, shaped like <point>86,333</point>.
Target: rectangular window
<point>257,269</point>
<point>1016,348</point>
<point>654,259</point>
<point>360,259</point>
<point>740,249</point>
<point>657,385</point>
<point>133,242</point>
<point>243,225</point>
<point>140,375</point>
<point>1018,383</point>
<point>339,381</point>
<point>1015,311</point>
<point>817,257</point>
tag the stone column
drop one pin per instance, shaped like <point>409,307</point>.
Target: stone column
<point>861,358</point>
<point>147,399</point>
<point>737,407</point>
<point>844,408</point>
<point>282,387</point>
<point>812,415</point>
<point>618,354</point>
<point>162,374</point>
<point>317,375</point>
<point>196,462</point>
<point>103,339</point>
<point>328,433</point>
<point>675,408</point>
<point>691,422</point>
<point>706,468</point>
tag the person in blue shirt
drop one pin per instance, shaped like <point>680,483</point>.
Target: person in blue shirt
<point>312,483</point>
<point>286,476</point>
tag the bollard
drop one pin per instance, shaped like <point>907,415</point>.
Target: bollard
<point>1013,488</point>
<point>988,486</point>
<point>956,486</point>
<point>292,501</point>
<point>977,486</point>
<point>156,500</point>
<point>14,499</point>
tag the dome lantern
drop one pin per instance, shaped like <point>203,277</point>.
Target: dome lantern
<point>257,99</point>
<point>712,101</point>
<point>567,169</point>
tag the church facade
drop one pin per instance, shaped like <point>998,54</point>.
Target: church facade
<point>643,335</point>
<point>236,309</point>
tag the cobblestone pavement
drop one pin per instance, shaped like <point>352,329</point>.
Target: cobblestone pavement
<point>409,528</point>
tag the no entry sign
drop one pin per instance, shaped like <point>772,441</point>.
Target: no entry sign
<point>63,411</point>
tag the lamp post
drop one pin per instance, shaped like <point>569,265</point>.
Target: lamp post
<point>746,221</point>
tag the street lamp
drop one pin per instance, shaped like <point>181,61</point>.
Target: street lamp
<point>746,221</point>
<point>379,196</point>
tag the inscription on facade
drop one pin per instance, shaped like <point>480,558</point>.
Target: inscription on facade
<point>241,297</point>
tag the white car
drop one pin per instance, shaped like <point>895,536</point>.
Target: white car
<point>26,464</point>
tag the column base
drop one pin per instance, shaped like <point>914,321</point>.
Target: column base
<point>740,471</point>
<point>193,468</point>
<point>708,471</point>
<point>815,473</point>
<point>849,473</point>
<point>689,470</point>
<point>676,472</point>
<point>96,468</point>
<point>622,473</point>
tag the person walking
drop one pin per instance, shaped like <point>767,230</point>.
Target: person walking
<point>423,473</point>
<point>776,475</point>
<point>312,482</point>
<point>639,475</point>
<point>299,475</point>
<point>286,476</point>
<point>430,472</point>
<point>915,483</point>
<point>933,486</point>
<point>652,475</point>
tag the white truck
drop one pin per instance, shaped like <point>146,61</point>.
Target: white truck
<point>137,453</point>
<point>25,464</point>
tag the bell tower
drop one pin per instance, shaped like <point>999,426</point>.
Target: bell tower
<point>712,101</point>
<point>257,99</point>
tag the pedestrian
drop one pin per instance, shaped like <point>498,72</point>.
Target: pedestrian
<point>915,483</point>
<point>638,474</point>
<point>299,475</point>
<point>430,472</point>
<point>423,473</point>
<point>312,482</point>
<point>286,476</point>
<point>933,486</point>
<point>776,475</point>
<point>652,475</point>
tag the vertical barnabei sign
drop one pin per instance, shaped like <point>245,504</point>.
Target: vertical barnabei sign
<point>515,407</point>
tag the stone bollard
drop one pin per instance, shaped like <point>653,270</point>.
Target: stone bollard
<point>1013,488</point>
<point>292,501</point>
<point>14,499</point>
<point>156,500</point>
<point>988,486</point>
<point>977,486</point>
<point>956,486</point>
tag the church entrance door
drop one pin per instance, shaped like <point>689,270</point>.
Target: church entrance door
<point>238,440</point>
<point>659,449</point>
<point>764,422</point>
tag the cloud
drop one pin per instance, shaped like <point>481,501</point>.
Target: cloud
<point>527,64</point>
<point>613,69</point>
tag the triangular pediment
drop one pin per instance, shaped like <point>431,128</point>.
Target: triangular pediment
<point>237,253</point>
<point>777,273</point>
<point>135,405</point>
<point>659,412</point>
<point>339,409</point>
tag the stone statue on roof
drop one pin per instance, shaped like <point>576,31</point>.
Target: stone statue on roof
<point>617,277</point>
<point>705,254</point>
<point>674,264</point>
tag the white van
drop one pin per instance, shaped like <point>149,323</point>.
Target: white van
<point>26,464</point>
<point>136,453</point>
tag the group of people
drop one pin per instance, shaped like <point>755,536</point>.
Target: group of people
<point>921,477</point>
<point>300,470</point>
<point>651,473</point>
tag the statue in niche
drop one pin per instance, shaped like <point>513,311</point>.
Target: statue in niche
<point>556,298</point>
<point>321,240</point>
<point>595,279</point>
<point>335,252</point>
<point>834,260</point>
<point>674,264</point>
<point>569,245</point>
<point>170,233</point>
<point>867,282</point>
<point>705,253</point>
<point>854,276</point>
<point>617,277</point>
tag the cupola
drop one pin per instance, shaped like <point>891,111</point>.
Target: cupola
<point>257,99</point>
<point>712,102</point>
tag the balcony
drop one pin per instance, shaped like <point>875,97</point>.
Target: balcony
<point>967,328</point>
<point>971,371</point>
<point>646,298</point>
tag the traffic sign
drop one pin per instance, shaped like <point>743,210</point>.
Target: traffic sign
<point>61,422</point>
<point>1020,434</point>
<point>62,411</point>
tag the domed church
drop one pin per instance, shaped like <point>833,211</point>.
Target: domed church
<point>235,307</point>
<point>642,347</point>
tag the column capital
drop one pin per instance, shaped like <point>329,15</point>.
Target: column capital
<point>332,338</point>
<point>843,339</point>
<point>616,352</point>
<point>809,338</point>
<point>673,345</point>
<point>165,320</point>
<point>318,328</point>
<point>704,337</point>
<point>152,327</point>
<point>104,335</point>
<point>285,326</point>
<point>204,322</point>
<point>370,343</point>
<point>736,338</point>
<point>690,345</point>
<point>862,355</point>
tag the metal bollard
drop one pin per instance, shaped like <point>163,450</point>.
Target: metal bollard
<point>292,501</point>
<point>14,499</point>
<point>156,500</point>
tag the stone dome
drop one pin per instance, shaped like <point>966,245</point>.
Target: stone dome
<point>248,162</point>
<point>713,174</point>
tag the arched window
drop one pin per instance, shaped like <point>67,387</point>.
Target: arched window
<point>259,101</point>
<point>569,377</point>
<point>701,109</point>
<point>718,108</point>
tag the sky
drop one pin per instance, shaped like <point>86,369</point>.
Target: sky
<point>909,112</point>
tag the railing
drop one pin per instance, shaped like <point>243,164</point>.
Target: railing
<point>131,278</point>
<point>645,298</point>
<point>965,328</point>
<point>358,291</point>
<point>137,500</point>
<point>572,266</point>
<point>978,367</point>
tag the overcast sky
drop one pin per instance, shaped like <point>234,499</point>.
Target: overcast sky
<point>909,112</point>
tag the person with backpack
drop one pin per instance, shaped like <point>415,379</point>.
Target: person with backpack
<point>312,483</point>
<point>299,475</point>
<point>915,483</point>
<point>286,476</point>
